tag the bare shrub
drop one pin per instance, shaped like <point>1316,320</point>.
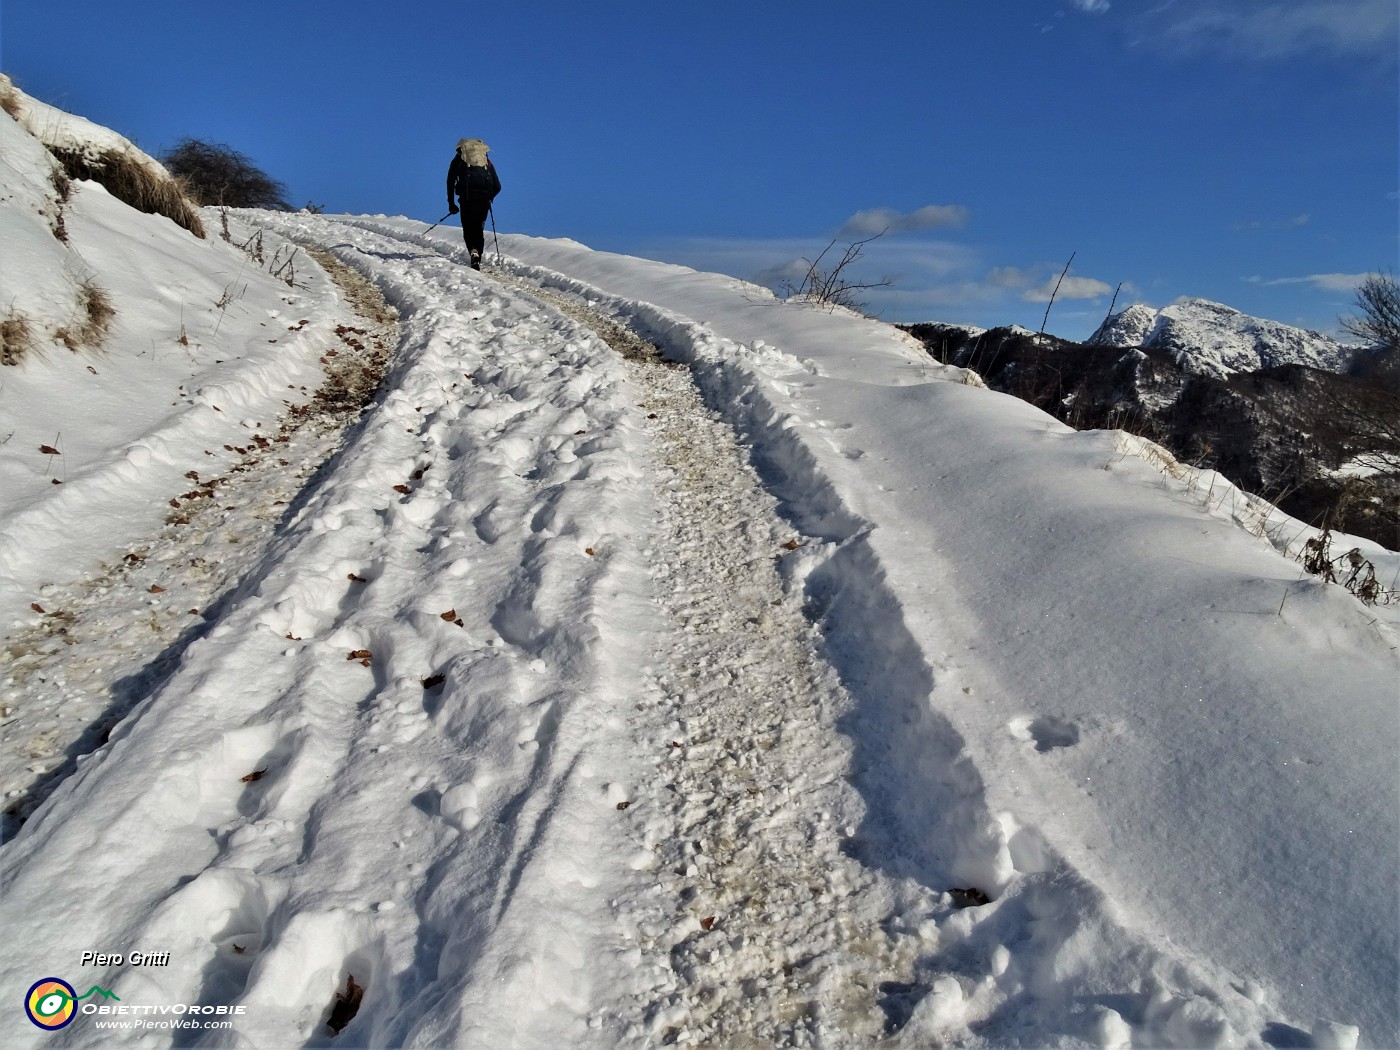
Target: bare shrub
<point>832,287</point>
<point>1378,317</point>
<point>1361,581</point>
<point>216,174</point>
<point>16,339</point>
<point>132,182</point>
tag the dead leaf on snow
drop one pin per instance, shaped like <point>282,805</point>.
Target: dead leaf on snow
<point>347,1005</point>
<point>968,897</point>
<point>254,776</point>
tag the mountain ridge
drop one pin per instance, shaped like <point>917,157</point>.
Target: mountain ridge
<point>1210,338</point>
<point>1312,430</point>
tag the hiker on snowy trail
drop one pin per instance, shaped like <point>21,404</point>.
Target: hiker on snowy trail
<point>472,180</point>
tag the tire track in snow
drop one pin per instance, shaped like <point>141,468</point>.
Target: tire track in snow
<point>67,685</point>
<point>765,929</point>
<point>507,423</point>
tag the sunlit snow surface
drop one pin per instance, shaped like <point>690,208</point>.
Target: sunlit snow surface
<point>761,674</point>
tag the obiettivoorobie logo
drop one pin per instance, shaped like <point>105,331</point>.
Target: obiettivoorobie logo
<point>52,1003</point>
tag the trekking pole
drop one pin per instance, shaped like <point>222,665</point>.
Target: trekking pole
<point>435,225</point>
<point>491,211</point>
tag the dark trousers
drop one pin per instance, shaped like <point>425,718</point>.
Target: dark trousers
<point>474,214</point>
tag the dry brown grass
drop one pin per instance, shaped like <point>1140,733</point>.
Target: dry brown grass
<point>63,188</point>
<point>134,183</point>
<point>62,184</point>
<point>95,314</point>
<point>9,100</point>
<point>16,339</point>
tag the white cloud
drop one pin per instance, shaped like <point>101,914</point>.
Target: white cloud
<point>1035,286</point>
<point>1070,288</point>
<point>1093,7</point>
<point>788,274</point>
<point>874,221</point>
<point>770,262</point>
<point>1326,282</point>
<point>934,279</point>
<point>1280,28</point>
<point>1011,278</point>
<point>1293,222</point>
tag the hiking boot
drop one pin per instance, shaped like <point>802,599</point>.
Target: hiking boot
<point>476,260</point>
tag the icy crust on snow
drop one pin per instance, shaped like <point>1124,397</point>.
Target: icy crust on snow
<point>205,349</point>
<point>1217,340</point>
<point>1150,707</point>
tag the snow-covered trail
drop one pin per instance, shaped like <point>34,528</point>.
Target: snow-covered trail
<point>525,725</point>
<point>297,800</point>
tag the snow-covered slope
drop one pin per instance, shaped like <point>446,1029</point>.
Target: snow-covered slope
<point>67,132</point>
<point>1217,340</point>
<point>660,663</point>
<point>203,349</point>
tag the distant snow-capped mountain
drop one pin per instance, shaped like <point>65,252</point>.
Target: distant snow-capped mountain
<point>1213,339</point>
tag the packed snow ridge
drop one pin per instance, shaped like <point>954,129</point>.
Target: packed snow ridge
<point>1217,340</point>
<point>649,662</point>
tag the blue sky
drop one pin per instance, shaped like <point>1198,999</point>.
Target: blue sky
<point>1241,150</point>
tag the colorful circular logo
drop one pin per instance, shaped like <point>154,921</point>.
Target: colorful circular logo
<point>51,1003</point>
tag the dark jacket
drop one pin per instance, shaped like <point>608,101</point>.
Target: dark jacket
<point>472,184</point>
